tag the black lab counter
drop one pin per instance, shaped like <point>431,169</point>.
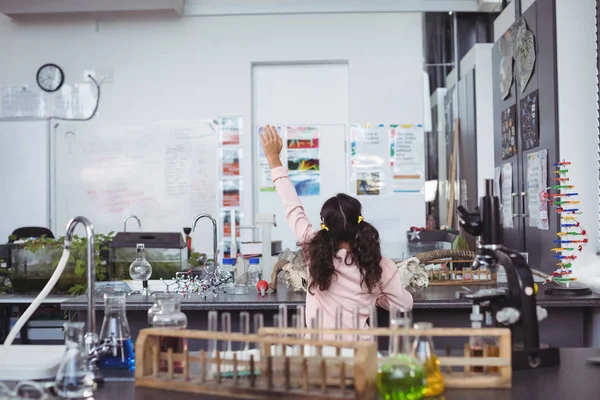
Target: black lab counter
<point>569,322</point>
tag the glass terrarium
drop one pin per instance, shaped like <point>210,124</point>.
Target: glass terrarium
<point>34,260</point>
<point>165,251</point>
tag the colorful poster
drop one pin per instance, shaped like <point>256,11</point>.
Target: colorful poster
<point>368,183</point>
<point>231,192</point>
<point>407,158</point>
<point>509,133</point>
<point>227,224</point>
<point>507,195</point>
<point>303,160</point>
<point>536,187</point>
<point>530,121</point>
<point>230,129</point>
<point>230,162</point>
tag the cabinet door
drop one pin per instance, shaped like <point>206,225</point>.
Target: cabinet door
<point>539,241</point>
<point>514,237</point>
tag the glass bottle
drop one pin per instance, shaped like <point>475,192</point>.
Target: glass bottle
<point>401,376</point>
<point>140,269</point>
<point>115,332</point>
<point>158,297</point>
<point>254,271</point>
<point>170,316</point>
<point>228,269</point>
<point>424,351</point>
<point>74,380</point>
<point>241,282</point>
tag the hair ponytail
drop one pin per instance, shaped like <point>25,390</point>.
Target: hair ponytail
<point>320,250</point>
<point>366,251</point>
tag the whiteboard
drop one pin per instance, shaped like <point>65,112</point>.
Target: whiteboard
<point>24,175</point>
<point>163,172</point>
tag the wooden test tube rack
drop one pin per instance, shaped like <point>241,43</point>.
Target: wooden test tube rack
<point>266,376</point>
<point>487,372</point>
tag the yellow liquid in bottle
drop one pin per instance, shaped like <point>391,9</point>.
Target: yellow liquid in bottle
<point>435,379</point>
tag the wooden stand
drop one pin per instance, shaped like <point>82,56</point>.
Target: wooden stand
<point>459,372</point>
<point>278,375</point>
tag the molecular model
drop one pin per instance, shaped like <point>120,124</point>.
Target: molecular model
<point>572,236</point>
<point>187,284</point>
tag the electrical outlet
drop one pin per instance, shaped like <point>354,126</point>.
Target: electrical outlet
<point>105,76</point>
<point>87,73</point>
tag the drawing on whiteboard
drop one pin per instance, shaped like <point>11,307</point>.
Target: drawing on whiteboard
<point>368,183</point>
<point>163,172</point>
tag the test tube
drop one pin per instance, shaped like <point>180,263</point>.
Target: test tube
<point>283,321</point>
<point>313,336</point>
<point>373,320</point>
<point>339,316</point>
<point>226,327</point>
<point>300,321</point>
<point>259,322</point>
<point>213,318</point>
<point>393,343</point>
<point>356,321</point>
<point>245,327</point>
<point>318,321</point>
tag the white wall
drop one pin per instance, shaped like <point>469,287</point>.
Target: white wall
<point>504,20</point>
<point>480,58</point>
<point>198,67</point>
<point>577,114</point>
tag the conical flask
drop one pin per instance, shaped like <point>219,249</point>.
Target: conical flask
<point>115,333</point>
<point>424,351</point>
<point>74,380</point>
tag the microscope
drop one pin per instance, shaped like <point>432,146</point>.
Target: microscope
<point>514,306</point>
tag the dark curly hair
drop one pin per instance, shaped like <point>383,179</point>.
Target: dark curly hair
<point>340,215</point>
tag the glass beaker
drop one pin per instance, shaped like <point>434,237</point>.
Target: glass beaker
<point>158,297</point>
<point>424,351</point>
<point>170,316</point>
<point>400,376</point>
<point>140,269</point>
<point>115,333</point>
<point>74,379</point>
<point>241,281</point>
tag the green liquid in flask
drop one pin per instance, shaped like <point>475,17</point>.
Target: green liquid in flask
<point>402,378</point>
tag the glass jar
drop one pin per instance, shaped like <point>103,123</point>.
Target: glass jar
<point>74,379</point>
<point>171,317</point>
<point>424,351</point>
<point>158,298</point>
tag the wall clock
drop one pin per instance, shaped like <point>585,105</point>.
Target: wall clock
<point>50,77</point>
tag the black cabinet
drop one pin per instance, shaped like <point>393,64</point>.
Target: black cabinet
<point>540,19</point>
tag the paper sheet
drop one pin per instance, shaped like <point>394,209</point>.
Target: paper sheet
<point>21,101</point>
<point>507,198</point>
<point>303,159</point>
<point>407,153</point>
<point>536,187</point>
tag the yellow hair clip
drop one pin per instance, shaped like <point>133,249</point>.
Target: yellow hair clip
<point>323,226</point>
<point>360,219</point>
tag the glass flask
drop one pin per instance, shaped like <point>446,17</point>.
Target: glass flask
<point>424,351</point>
<point>152,311</point>
<point>140,269</point>
<point>74,379</point>
<point>115,333</point>
<point>400,376</point>
<point>170,316</point>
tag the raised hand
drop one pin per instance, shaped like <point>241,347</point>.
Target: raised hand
<point>272,145</point>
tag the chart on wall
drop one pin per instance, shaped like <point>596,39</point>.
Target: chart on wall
<point>368,159</point>
<point>506,180</point>
<point>537,186</point>
<point>303,159</point>
<point>509,133</point>
<point>407,158</point>
<point>529,121</point>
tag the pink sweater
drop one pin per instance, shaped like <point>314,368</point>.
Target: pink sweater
<point>345,288</point>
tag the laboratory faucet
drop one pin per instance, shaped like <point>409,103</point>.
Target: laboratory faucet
<point>93,348</point>
<point>127,218</point>
<point>214,222</point>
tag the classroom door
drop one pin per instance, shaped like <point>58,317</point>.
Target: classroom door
<point>302,95</point>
